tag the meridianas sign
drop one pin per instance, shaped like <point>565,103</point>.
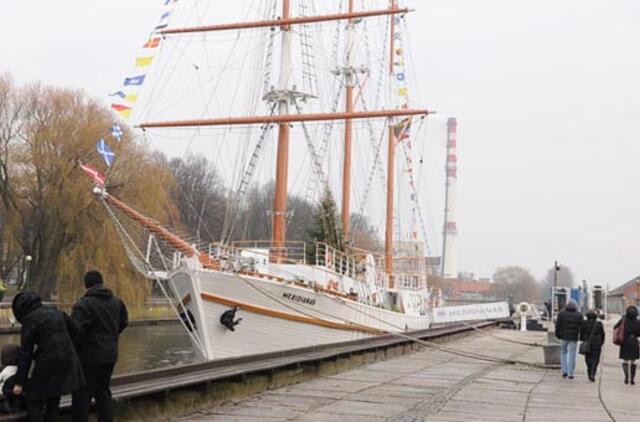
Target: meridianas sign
<point>471,312</point>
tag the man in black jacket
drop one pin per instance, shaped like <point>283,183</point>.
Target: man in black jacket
<point>101,317</point>
<point>568,326</point>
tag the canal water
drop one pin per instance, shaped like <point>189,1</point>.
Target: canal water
<point>145,347</point>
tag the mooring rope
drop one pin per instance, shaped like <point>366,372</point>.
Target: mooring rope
<point>508,340</point>
<point>600,397</point>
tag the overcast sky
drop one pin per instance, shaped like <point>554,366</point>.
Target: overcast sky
<point>547,94</point>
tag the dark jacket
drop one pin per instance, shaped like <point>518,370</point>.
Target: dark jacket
<point>45,340</point>
<point>568,324</point>
<point>101,317</point>
<point>629,350</point>
<point>591,324</point>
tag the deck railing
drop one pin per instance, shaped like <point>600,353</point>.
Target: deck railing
<point>409,271</point>
<point>335,260</point>
<point>288,252</point>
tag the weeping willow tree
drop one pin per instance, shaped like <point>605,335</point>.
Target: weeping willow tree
<point>49,211</point>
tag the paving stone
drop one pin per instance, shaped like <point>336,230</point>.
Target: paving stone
<point>294,391</point>
<point>331,417</point>
<point>369,396</point>
<point>231,418</point>
<point>296,402</point>
<point>399,390</point>
<point>333,384</point>
<point>470,416</point>
<point>362,408</point>
<point>367,376</point>
<point>275,412</point>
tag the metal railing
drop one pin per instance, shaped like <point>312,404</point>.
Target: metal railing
<point>292,252</point>
<point>335,260</point>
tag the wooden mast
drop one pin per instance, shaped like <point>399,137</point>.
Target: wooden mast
<point>283,22</point>
<point>348,127</point>
<point>282,164</point>
<point>279,119</point>
<point>391,157</point>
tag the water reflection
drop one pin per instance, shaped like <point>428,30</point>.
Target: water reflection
<point>145,347</point>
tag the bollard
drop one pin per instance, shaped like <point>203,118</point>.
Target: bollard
<point>523,322</point>
<point>523,308</point>
<point>551,354</point>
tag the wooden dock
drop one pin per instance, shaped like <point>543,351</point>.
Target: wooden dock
<point>432,385</point>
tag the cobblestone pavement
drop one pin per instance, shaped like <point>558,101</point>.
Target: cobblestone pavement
<point>431,385</point>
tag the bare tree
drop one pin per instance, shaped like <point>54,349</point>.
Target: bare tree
<point>199,195</point>
<point>10,123</point>
<point>363,234</point>
<point>565,277</point>
<point>255,217</point>
<point>516,284</point>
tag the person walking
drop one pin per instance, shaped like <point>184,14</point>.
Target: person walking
<point>45,339</point>
<point>568,325</point>
<point>101,317</point>
<point>629,349</point>
<point>592,331</point>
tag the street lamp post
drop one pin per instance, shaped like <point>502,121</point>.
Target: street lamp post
<point>554,299</point>
<point>27,261</point>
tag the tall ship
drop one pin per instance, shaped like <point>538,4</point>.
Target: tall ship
<point>316,95</point>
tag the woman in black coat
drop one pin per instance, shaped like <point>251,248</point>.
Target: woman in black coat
<point>45,340</point>
<point>629,349</point>
<point>592,329</point>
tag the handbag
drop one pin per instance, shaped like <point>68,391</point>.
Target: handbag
<point>585,346</point>
<point>618,334</point>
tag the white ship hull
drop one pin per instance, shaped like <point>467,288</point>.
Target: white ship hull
<point>276,316</point>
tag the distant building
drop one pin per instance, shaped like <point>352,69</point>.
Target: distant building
<point>432,265</point>
<point>622,296</point>
<point>457,291</point>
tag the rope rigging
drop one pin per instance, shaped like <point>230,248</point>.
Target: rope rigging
<point>314,182</point>
<point>268,59</point>
<point>309,76</point>
<point>377,146</point>
<point>414,190</point>
<point>145,267</point>
<point>245,182</point>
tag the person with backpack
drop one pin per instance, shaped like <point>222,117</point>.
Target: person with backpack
<point>592,336</point>
<point>628,331</point>
<point>568,326</point>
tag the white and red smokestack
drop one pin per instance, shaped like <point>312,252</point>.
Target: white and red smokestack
<point>449,264</point>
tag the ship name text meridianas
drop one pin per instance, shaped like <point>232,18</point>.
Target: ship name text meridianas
<point>298,298</point>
